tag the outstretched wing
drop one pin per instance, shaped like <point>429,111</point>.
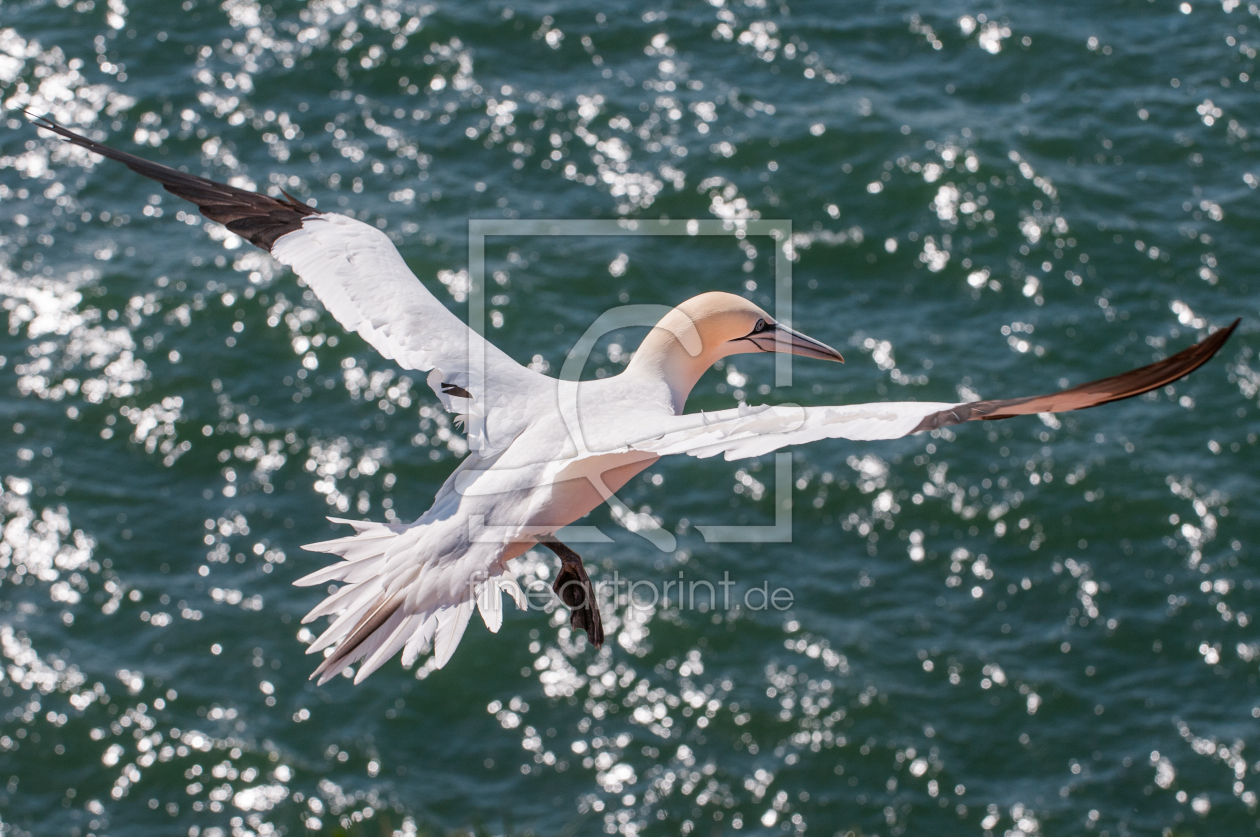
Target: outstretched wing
<point>751,431</point>
<point>359,276</point>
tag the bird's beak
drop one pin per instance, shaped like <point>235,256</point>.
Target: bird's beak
<point>780,338</point>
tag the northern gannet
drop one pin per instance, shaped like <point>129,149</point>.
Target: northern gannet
<point>542,452</point>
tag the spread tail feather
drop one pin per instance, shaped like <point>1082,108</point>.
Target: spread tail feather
<point>451,622</point>
<point>394,597</point>
<point>360,602</point>
<point>334,603</point>
<point>351,648</point>
<point>390,645</point>
<point>421,640</point>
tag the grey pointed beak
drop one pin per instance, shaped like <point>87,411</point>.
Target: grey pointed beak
<point>780,338</point>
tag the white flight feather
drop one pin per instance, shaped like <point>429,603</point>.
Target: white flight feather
<point>744,432</point>
<point>335,602</point>
<point>421,638</point>
<point>490,597</point>
<point>359,604</point>
<point>393,637</point>
<point>451,622</point>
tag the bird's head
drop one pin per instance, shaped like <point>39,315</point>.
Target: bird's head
<point>727,324</point>
<point>705,329</point>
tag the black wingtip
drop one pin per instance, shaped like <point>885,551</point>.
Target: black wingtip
<point>258,218</point>
<point>43,120</point>
<point>40,120</point>
<point>1091,394</point>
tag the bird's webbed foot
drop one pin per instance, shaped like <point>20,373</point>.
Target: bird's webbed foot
<point>574,588</point>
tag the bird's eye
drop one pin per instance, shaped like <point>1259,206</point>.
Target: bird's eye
<point>759,327</point>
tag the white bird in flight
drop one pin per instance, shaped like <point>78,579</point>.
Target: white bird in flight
<point>542,452</point>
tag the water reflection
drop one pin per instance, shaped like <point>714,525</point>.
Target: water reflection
<point>997,595</point>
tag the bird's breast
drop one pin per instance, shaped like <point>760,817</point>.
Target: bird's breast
<point>582,486</point>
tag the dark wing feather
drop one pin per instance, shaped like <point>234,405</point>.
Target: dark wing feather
<point>374,619</point>
<point>257,218</point>
<point>1143,379</point>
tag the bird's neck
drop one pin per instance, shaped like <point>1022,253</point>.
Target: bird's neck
<point>673,354</point>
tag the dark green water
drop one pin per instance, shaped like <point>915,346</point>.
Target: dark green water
<point>1032,627</point>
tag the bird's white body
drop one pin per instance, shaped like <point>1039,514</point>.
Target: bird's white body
<point>543,452</point>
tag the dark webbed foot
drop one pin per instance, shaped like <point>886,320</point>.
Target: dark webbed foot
<point>574,588</point>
